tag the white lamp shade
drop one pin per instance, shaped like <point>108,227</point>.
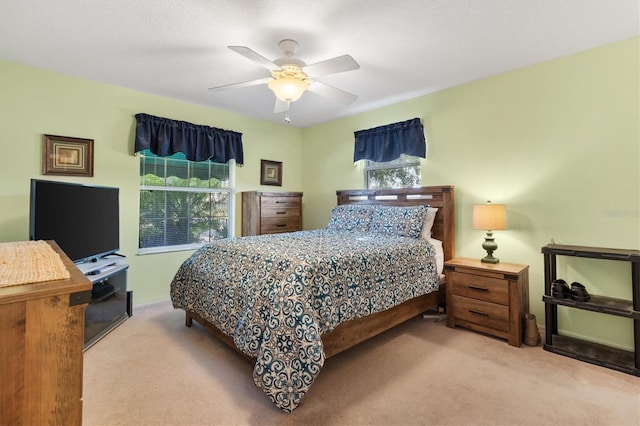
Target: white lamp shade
<point>288,88</point>
<point>489,217</point>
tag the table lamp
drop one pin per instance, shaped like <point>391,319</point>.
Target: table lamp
<point>489,217</point>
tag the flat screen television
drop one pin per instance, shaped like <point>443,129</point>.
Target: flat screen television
<point>82,219</point>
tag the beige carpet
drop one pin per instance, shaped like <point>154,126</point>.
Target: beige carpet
<point>152,370</point>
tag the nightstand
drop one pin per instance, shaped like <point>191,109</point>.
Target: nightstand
<point>489,298</point>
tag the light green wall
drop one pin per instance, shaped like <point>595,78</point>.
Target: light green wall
<point>558,143</point>
<point>35,102</point>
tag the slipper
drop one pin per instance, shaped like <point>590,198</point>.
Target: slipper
<point>560,289</point>
<point>579,293</point>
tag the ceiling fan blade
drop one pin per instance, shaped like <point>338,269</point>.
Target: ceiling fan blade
<point>255,57</point>
<point>280,106</point>
<point>332,93</point>
<point>244,84</point>
<point>331,66</point>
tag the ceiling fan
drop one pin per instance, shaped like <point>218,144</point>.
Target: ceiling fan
<point>291,77</point>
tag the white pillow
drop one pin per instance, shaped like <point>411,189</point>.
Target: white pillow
<point>437,244</point>
<point>429,218</point>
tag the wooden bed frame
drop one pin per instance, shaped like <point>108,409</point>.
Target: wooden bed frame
<point>351,333</point>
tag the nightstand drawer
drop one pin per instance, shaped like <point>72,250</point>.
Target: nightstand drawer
<point>490,315</point>
<point>480,287</point>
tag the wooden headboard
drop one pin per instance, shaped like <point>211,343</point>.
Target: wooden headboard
<point>440,197</point>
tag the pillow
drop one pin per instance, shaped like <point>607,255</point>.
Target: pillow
<point>437,244</point>
<point>398,221</point>
<point>429,218</point>
<point>350,218</point>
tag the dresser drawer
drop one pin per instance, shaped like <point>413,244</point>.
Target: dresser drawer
<point>480,287</point>
<point>292,202</point>
<point>280,212</point>
<point>492,315</point>
<point>276,225</point>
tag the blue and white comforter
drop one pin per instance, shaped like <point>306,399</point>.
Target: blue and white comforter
<point>275,295</point>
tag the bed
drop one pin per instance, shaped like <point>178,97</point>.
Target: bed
<point>289,301</point>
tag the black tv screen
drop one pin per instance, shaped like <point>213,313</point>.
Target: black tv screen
<point>83,220</point>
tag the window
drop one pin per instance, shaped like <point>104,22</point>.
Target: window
<point>183,204</point>
<point>400,173</point>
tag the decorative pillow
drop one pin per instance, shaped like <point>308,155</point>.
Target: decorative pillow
<point>398,221</point>
<point>429,218</point>
<point>350,218</point>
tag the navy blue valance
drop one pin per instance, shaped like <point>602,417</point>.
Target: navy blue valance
<point>165,137</point>
<point>387,143</point>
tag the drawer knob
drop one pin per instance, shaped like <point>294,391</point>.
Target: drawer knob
<point>281,212</point>
<point>280,225</point>
<point>484,314</point>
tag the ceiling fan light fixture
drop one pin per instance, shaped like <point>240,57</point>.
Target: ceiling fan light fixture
<point>288,89</point>
<point>291,77</point>
<point>289,84</point>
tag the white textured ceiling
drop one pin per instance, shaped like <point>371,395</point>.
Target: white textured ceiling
<point>405,48</point>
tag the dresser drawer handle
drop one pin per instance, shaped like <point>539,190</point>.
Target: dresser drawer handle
<point>281,202</point>
<point>484,314</point>
<point>281,212</point>
<point>473,287</point>
<point>281,225</point>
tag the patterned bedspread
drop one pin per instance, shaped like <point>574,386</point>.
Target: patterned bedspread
<point>275,295</point>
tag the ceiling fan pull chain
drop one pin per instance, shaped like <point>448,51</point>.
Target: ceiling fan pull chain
<point>287,119</point>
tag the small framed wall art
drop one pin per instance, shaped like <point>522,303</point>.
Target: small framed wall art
<point>270,172</point>
<point>62,155</point>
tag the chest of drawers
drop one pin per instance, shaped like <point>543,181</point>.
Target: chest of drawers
<point>41,338</point>
<point>271,212</point>
<point>490,298</point>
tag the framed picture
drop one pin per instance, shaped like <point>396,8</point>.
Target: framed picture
<point>62,155</point>
<point>270,172</point>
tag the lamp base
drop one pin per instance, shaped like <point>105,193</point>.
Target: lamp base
<point>490,259</point>
<point>490,246</point>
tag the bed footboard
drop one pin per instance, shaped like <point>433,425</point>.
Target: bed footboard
<point>350,333</point>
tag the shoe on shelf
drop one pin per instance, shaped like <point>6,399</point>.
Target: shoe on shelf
<point>579,293</point>
<point>560,289</point>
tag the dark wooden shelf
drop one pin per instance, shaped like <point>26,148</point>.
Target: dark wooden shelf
<point>592,252</point>
<point>594,353</point>
<point>602,304</point>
